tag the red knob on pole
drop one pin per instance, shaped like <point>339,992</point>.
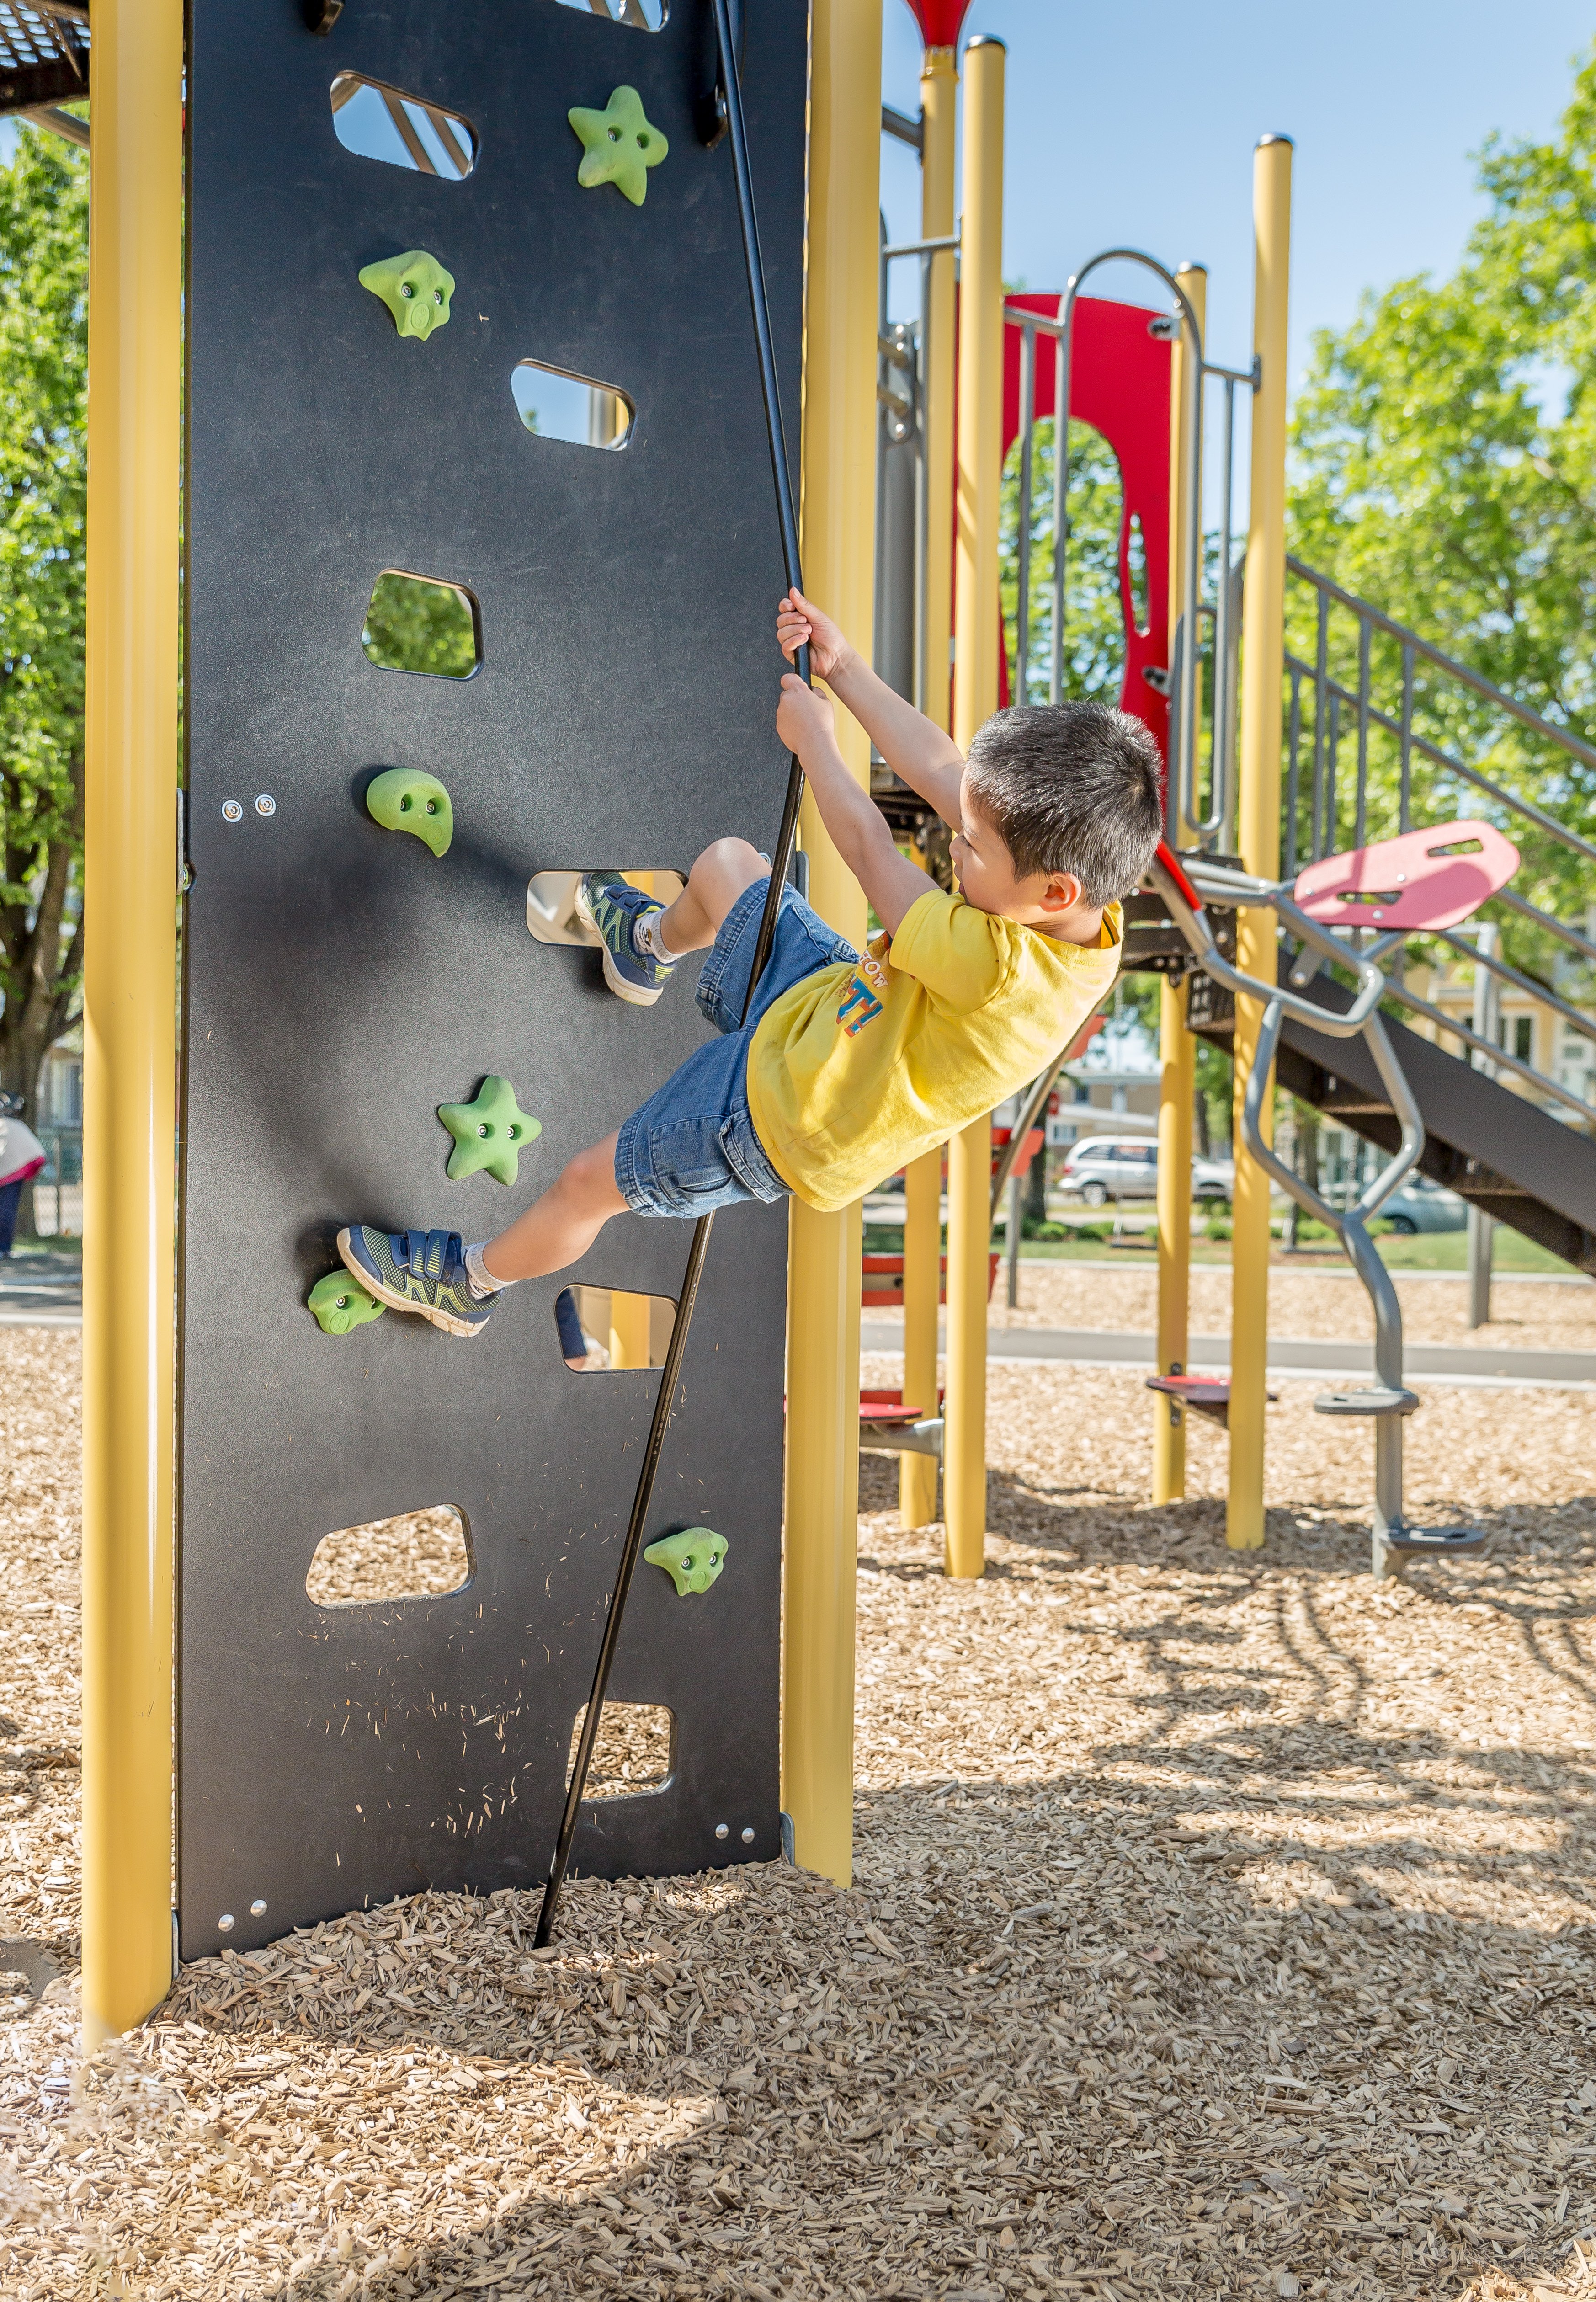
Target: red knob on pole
<point>939,20</point>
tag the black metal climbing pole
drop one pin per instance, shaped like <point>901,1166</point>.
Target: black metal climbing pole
<point>664,1404</point>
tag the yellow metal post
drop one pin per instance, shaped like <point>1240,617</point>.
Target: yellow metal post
<point>922,1284</point>
<point>629,1324</point>
<point>1177,1052</point>
<point>1258,820</point>
<point>922,1207</point>
<point>938,96</point>
<point>130,1008</point>
<point>978,488</point>
<point>839,548</point>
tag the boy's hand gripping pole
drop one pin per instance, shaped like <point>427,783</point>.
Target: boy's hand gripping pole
<point>670,1373</point>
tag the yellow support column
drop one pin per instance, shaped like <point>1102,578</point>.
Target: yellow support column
<point>938,96</point>
<point>922,1285</point>
<point>135,357</point>
<point>839,548</point>
<point>922,1197</point>
<point>1258,821</point>
<point>1177,1051</point>
<point>630,1319</point>
<point>977,487</point>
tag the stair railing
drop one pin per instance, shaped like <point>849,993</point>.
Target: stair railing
<point>1314,787</point>
<point>1388,1401</point>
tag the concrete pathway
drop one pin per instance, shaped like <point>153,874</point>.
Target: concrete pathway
<point>1449,1363</point>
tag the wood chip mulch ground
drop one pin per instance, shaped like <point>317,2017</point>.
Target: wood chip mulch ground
<point>1223,1925</point>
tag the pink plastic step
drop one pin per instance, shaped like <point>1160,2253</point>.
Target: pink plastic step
<point>1430,878</point>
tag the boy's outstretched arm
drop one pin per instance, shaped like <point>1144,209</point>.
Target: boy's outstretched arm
<point>913,746</point>
<point>857,829</point>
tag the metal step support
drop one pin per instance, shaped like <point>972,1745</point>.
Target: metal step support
<point>1387,1402</point>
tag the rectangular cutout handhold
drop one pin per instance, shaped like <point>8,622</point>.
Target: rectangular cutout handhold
<point>607,1331</point>
<point>557,404</point>
<point>379,122</point>
<point>421,1554</point>
<point>641,15</point>
<point>422,624</point>
<point>552,914</point>
<point>634,1751</point>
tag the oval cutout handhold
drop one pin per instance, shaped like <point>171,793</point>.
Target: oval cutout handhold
<point>379,122</point>
<point>422,624</point>
<point>641,15</point>
<point>607,1330</point>
<point>552,915</point>
<point>556,404</point>
<point>420,1554</point>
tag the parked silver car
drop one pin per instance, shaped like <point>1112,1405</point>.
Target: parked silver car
<point>1422,1203</point>
<point>1126,1167</point>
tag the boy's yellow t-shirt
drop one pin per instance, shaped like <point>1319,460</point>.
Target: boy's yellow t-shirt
<point>858,1070</point>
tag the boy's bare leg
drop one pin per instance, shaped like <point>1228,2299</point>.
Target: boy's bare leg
<point>560,1228</point>
<point>720,875</point>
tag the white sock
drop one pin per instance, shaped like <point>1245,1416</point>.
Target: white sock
<point>648,939</point>
<point>478,1276</point>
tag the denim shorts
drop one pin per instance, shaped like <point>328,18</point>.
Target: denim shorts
<point>692,1148</point>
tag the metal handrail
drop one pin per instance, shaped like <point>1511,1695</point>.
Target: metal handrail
<point>1341,712</point>
<point>1499,1058</point>
<point>1365,613</point>
<point>1377,718</point>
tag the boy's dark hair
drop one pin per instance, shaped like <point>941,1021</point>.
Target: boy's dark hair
<point>1072,787</point>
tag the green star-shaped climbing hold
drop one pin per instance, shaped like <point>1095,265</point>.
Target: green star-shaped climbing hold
<point>488,1133</point>
<point>416,289</point>
<point>621,145</point>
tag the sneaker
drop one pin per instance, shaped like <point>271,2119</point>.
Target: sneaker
<point>422,1271</point>
<point>612,909</point>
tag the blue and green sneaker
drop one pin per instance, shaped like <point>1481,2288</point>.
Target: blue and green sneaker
<point>422,1271</point>
<point>612,910</point>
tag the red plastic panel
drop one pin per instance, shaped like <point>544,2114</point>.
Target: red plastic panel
<point>1120,384</point>
<point>1429,879</point>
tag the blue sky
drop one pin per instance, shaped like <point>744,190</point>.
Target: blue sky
<point>1136,124</point>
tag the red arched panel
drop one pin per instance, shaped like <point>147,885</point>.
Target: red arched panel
<point>1119,384</point>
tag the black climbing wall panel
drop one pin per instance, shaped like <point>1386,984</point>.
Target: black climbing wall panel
<point>342,981</point>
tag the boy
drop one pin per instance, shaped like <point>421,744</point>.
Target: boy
<point>849,1065</point>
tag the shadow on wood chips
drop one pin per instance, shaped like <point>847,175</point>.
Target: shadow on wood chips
<point>1221,1926</point>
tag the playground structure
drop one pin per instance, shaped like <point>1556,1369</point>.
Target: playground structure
<point>239,1541</point>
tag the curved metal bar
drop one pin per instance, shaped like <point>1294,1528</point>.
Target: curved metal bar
<point>1179,775</point>
<point>1350,1226</point>
<point>1198,938</point>
<point>1404,1103</point>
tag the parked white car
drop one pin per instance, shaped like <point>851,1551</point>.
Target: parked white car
<point>1106,1167</point>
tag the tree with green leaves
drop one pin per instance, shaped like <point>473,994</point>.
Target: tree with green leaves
<point>1445,469</point>
<point>43,288</point>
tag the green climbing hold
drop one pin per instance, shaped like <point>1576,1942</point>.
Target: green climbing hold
<point>404,799</point>
<point>692,1559</point>
<point>488,1132</point>
<point>341,1303</point>
<point>416,289</point>
<point>621,145</point>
